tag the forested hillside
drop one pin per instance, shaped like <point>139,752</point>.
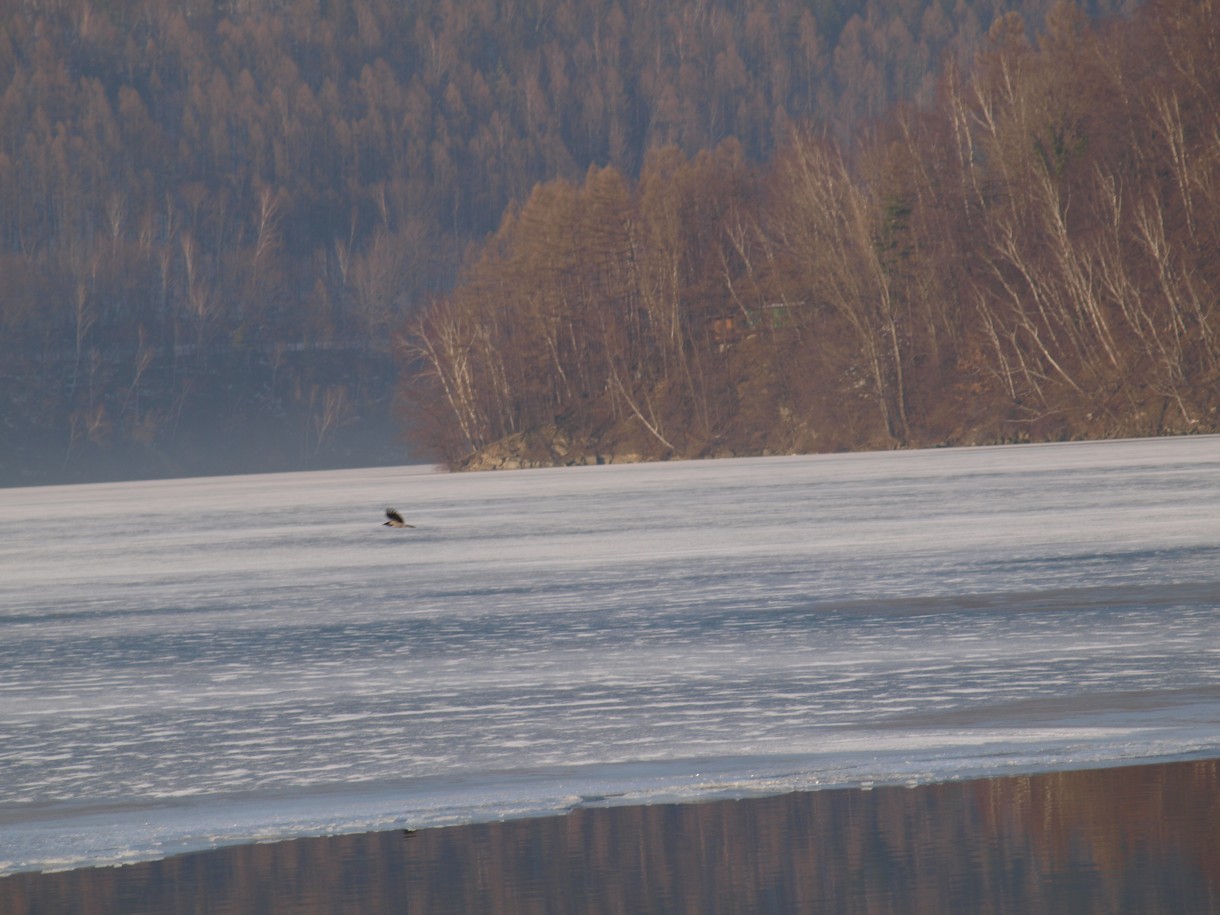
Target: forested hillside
<point>1029,255</point>
<point>214,217</point>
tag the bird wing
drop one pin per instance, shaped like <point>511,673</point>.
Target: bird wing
<point>393,515</point>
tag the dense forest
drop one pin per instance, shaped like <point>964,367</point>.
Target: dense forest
<point>1028,255</point>
<point>216,219</point>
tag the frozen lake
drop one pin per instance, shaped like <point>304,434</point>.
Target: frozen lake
<point>201,662</point>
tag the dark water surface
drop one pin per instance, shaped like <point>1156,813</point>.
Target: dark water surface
<point>1138,839</point>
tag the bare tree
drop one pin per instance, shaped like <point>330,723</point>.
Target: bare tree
<point>832,225</point>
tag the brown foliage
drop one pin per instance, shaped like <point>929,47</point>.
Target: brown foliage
<point>1029,257</point>
<point>243,177</point>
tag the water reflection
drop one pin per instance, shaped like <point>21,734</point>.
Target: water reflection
<point>1138,839</point>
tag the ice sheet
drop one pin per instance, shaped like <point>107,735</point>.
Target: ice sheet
<point>195,662</point>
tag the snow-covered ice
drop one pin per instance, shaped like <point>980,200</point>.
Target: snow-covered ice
<point>197,662</point>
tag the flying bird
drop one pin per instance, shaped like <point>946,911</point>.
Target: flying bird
<point>395,519</point>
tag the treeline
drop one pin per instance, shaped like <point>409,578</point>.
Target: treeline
<point>1030,256</point>
<point>249,178</point>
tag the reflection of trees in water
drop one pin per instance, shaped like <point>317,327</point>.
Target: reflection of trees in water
<point>1139,839</point>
